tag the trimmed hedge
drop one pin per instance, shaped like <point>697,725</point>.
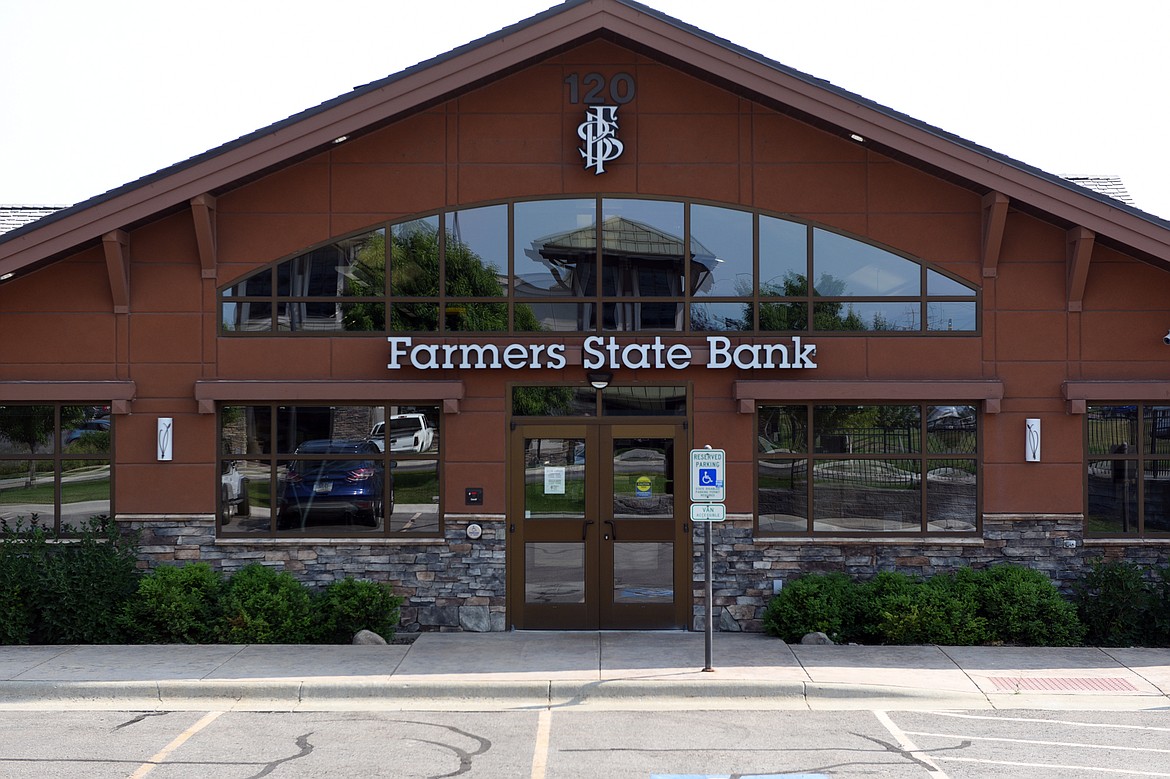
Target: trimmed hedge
<point>86,588</point>
<point>1003,604</point>
<point>1120,606</point>
<point>176,605</point>
<point>65,589</point>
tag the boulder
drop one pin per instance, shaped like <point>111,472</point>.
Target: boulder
<point>367,637</point>
<point>817,639</point>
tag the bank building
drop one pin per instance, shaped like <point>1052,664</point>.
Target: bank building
<point>459,329</point>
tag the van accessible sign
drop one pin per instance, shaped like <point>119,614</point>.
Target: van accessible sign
<point>598,352</point>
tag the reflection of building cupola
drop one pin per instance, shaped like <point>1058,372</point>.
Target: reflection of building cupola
<point>638,260</point>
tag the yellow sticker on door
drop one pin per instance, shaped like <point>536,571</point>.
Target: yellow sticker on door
<point>643,487</point>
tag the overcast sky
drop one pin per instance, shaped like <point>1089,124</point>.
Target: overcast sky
<point>96,93</point>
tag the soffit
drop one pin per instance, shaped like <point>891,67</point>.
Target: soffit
<point>570,24</point>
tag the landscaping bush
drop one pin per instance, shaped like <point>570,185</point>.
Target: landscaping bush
<point>1116,604</point>
<point>176,605</point>
<point>904,610</point>
<point>1003,604</point>
<point>827,603</point>
<point>22,552</point>
<point>83,581</point>
<point>1160,609</point>
<point>262,606</point>
<point>1022,606</point>
<point>350,605</point>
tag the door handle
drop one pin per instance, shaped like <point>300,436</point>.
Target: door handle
<point>612,528</point>
<point>585,529</point>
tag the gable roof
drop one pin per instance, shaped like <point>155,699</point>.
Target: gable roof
<point>14,216</point>
<point>1112,186</point>
<point>625,23</point>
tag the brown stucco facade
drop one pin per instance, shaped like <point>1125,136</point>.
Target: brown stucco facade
<point>118,302</point>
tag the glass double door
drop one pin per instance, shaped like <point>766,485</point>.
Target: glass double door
<point>599,536</point>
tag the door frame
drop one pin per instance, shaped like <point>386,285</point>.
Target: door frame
<point>598,612</point>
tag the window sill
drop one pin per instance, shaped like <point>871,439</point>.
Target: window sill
<point>872,540</point>
<point>334,541</point>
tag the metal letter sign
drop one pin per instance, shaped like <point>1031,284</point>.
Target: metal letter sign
<point>707,470</point>
<point>599,131</point>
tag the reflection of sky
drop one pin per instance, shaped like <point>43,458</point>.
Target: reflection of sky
<point>538,219</point>
<point>866,270</point>
<point>484,231</point>
<point>950,316</point>
<point>727,234</point>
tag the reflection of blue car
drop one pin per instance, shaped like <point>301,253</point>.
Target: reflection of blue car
<point>345,490</point>
<point>101,425</point>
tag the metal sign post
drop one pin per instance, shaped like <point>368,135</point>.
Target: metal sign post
<point>708,468</point>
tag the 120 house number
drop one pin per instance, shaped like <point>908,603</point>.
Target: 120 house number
<point>618,89</point>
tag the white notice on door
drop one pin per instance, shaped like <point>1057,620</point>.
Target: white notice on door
<point>554,480</point>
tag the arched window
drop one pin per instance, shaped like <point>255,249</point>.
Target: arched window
<point>599,264</point>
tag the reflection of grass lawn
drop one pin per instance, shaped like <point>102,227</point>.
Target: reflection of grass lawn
<point>418,487</point>
<point>71,492</point>
<point>572,502</point>
<point>258,492</point>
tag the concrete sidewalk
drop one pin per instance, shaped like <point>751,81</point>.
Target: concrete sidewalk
<point>498,671</point>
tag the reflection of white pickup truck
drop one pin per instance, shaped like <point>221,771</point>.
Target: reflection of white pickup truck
<point>408,433</point>
<point>233,492</point>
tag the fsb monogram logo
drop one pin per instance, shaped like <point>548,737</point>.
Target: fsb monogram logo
<point>599,132</point>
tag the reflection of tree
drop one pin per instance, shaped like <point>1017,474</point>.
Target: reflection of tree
<point>367,278</point>
<point>33,426</point>
<point>542,401</point>
<point>827,315</point>
<point>414,272</point>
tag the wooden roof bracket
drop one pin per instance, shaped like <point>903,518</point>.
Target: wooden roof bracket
<point>995,208</point>
<point>203,213</point>
<point>116,245</point>
<point>1080,251</point>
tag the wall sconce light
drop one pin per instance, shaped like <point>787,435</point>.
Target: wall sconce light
<point>599,379</point>
<point>1032,440</point>
<point>166,441</point>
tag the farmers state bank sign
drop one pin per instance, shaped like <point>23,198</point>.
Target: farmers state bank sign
<point>598,352</point>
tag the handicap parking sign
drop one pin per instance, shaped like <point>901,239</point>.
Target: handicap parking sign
<point>707,474</point>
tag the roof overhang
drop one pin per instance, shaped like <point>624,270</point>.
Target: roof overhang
<point>565,26</point>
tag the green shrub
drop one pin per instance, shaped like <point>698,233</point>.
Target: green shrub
<point>176,605</point>
<point>22,554</point>
<point>818,602</point>
<point>262,606</point>
<point>1159,622</point>
<point>1002,604</point>
<point>1115,602</point>
<point>1022,606</point>
<point>83,583</point>
<point>350,605</point>
<point>940,610</point>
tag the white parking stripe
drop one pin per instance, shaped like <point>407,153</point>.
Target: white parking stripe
<point>540,750</point>
<point>181,739</point>
<point>1057,766</point>
<point>1051,721</point>
<point>909,746</point>
<point>1072,744</point>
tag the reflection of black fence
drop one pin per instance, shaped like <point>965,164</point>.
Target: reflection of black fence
<point>893,440</point>
<point>867,440</point>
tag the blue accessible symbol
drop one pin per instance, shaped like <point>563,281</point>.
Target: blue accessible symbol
<point>707,477</point>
